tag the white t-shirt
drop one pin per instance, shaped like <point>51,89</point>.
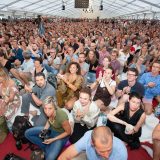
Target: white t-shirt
<point>111,83</point>
<point>27,66</point>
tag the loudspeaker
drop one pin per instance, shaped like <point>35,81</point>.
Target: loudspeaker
<point>81,3</point>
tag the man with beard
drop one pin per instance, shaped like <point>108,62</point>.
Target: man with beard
<point>35,51</point>
<point>35,96</point>
<point>84,66</point>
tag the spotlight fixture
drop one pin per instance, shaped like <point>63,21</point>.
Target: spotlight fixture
<point>101,6</point>
<point>63,6</point>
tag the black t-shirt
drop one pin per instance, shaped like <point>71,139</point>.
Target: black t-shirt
<point>95,64</point>
<point>138,87</point>
<point>8,65</point>
<point>75,46</point>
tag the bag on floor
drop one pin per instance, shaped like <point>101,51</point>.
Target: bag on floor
<point>3,129</point>
<point>37,154</point>
<point>20,125</point>
<point>12,156</point>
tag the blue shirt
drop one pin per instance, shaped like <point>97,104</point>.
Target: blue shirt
<point>119,151</point>
<point>150,92</point>
<point>68,57</point>
<point>18,54</point>
<point>38,52</point>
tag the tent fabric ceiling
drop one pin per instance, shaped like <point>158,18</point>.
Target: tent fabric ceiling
<point>111,8</point>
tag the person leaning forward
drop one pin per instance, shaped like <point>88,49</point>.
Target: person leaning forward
<point>97,144</point>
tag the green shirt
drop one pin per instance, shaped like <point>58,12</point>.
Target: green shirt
<point>56,125</point>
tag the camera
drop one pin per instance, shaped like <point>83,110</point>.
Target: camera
<point>12,156</point>
<point>19,145</point>
<point>45,134</point>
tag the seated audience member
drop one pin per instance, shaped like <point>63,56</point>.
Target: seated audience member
<point>126,121</point>
<point>115,64</point>
<point>24,73</point>
<point>105,88</point>
<point>35,52</point>
<point>59,128</point>
<point>9,97</point>
<point>68,58</point>
<point>54,44</point>
<point>85,114</point>
<point>105,64</point>
<point>93,63</point>
<point>139,66</point>
<point>123,57</point>
<point>102,54</point>
<point>97,144</point>
<point>38,68</point>
<point>54,62</point>
<point>69,84</point>
<point>151,82</point>
<point>156,143</point>
<point>128,86</point>
<point>16,56</point>
<point>84,66</point>
<point>5,62</point>
<point>35,96</point>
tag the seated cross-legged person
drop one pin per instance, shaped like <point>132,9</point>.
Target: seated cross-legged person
<point>128,86</point>
<point>151,82</point>
<point>126,121</point>
<point>24,74</point>
<point>85,115</point>
<point>35,96</point>
<point>105,87</point>
<point>58,126</point>
<point>69,84</point>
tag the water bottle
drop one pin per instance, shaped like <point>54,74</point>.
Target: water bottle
<point>157,111</point>
<point>102,120</point>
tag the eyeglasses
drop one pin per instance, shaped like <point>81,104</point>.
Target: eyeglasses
<point>130,74</point>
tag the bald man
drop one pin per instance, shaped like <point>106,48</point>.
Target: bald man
<point>98,144</point>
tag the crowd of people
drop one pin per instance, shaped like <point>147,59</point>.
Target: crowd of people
<point>68,78</point>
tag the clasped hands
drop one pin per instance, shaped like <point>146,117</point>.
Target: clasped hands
<point>80,114</point>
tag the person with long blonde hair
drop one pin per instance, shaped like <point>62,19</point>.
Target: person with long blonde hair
<point>9,97</point>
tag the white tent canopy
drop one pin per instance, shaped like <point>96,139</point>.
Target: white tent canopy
<point>134,9</point>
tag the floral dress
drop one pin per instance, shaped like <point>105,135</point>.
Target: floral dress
<point>11,108</point>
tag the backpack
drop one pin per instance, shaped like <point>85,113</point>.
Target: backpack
<point>20,125</point>
<point>3,129</point>
<point>12,156</point>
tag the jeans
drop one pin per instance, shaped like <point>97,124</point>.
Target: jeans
<point>26,101</point>
<point>91,77</point>
<point>51,150</point>
<point>50,69</point>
